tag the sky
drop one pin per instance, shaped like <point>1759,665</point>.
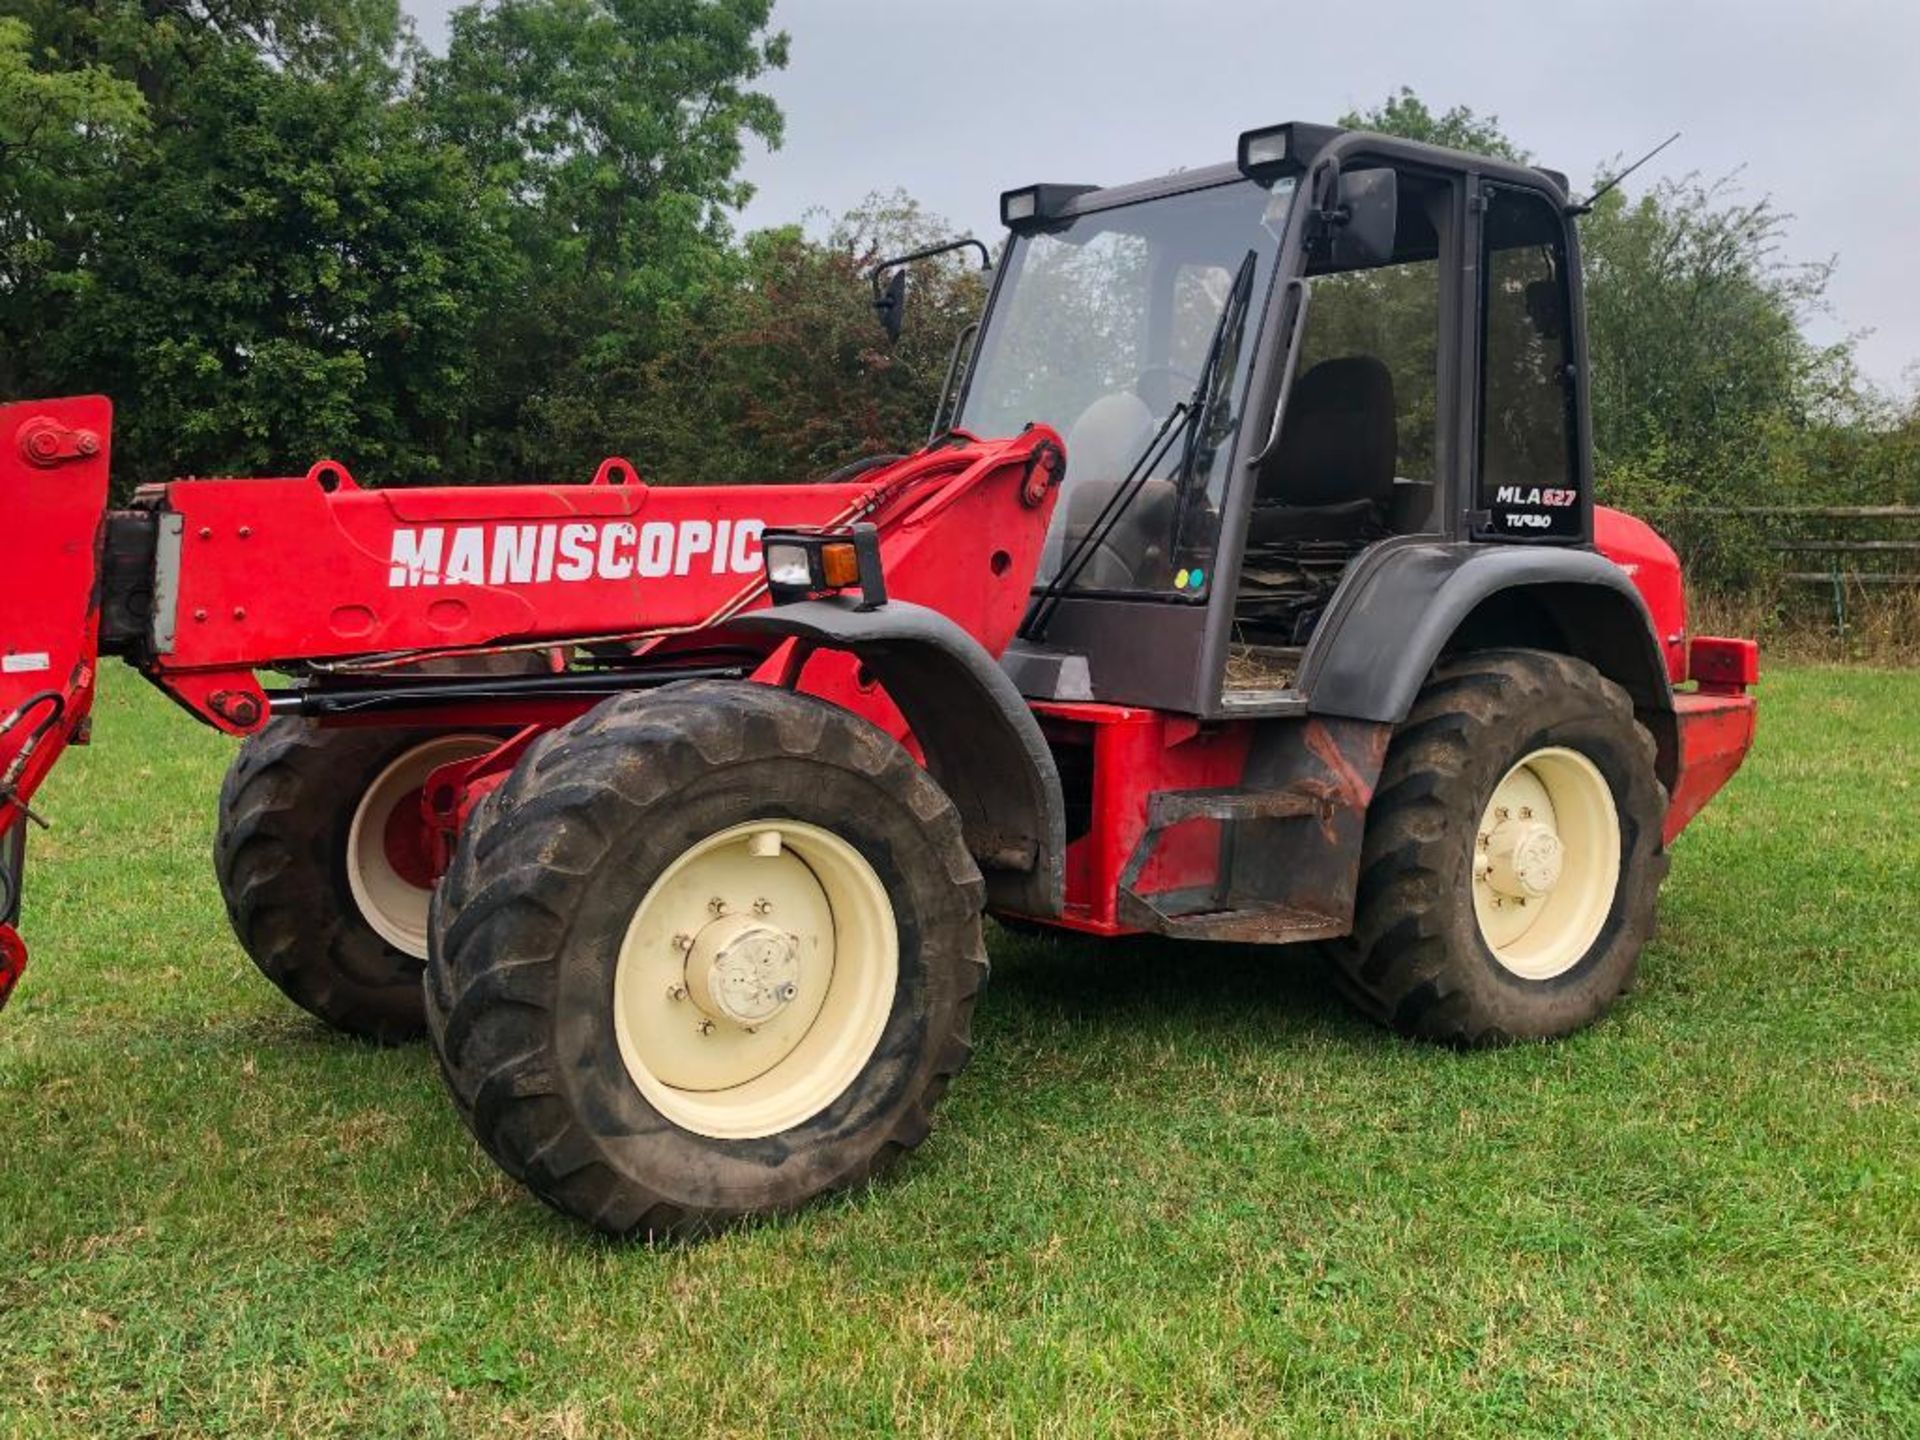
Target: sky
<point>1814,103</point>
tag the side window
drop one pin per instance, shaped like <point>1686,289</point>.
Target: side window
<point>1392,314</point>
<point>1528,475</point>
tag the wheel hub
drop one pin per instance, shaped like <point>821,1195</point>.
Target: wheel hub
<point>1524,859</point>
<point>1546,863</point>
<point>755,978</point>
<point>742,970</point>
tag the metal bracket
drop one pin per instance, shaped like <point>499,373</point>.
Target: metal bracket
<point>1219,915</point>
<point>166,582</point>
<point>45,442</point>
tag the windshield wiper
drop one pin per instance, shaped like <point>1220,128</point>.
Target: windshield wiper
<point>1048,600</point>
<point>1195,408</point>
<point>1233,317</point>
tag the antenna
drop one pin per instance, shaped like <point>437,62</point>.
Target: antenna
<point>1585,207</point>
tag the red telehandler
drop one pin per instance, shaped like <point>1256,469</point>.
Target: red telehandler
<point>1250,589</point>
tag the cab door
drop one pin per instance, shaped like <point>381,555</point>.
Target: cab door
<point>1532,479</point>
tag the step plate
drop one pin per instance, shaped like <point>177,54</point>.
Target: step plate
<point>1254,925</point>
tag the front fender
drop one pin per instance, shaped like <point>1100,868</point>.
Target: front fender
<point>980,739</point>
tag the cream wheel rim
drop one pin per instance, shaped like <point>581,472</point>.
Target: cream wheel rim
<point>389,884</point>
<point>755,979</point>
<point>1546,863</point>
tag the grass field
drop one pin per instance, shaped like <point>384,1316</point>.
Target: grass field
<point>1179,1191</point>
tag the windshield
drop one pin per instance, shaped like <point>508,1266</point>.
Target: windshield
<point>1101,328</point>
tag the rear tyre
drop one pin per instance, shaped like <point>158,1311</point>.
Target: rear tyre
<point>710,952</point>
<point>324,879</point>
<point>1512,863</point>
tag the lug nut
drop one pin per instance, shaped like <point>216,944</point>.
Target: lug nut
<point>705,1027</point>
<point>761,907</point>
<point>683,941</point>
<point>676,992</point>
<point>717,905</point>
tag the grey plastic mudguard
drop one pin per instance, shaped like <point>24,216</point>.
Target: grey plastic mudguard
<point>1375,648</point>
<point>981,741</point>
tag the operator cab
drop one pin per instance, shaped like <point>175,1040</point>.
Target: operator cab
<point>1262,372</point>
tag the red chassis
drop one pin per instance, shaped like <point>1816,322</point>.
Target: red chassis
<point>307,572</point>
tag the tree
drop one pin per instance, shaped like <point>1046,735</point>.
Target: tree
<point>294,275</point>
<point>787,374</point>
<point>607,137</point>
<point>62,134</point>
<point>272,230</point>
<point>1705,388</point>
<point>1405,114</point>
<point>1698,354</point>
<point>275,265</point>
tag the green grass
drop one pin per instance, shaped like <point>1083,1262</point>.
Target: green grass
<point>1180,1190</point>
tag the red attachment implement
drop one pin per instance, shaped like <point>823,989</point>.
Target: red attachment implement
<point>53,482</point>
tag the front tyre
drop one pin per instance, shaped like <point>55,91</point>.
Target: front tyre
<point>1512,862</point>
<point>710,952</point>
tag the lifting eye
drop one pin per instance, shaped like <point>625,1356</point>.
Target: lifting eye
<point>331,475</point>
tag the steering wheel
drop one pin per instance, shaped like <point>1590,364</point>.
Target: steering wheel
<point>1179,383</point>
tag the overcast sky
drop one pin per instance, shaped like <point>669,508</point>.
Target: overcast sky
<point>957,100</point>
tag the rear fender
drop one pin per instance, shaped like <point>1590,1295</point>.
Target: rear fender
<point>1411,602</point>
<point>979,739</point>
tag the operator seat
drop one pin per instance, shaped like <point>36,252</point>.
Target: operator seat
<point>1102,446</point>
<point>1330,477</point>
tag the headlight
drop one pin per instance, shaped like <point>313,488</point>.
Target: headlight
<point>804,563</point>
<point>1276,150</point>
<point>790,567</point>
<point>1035,206</point>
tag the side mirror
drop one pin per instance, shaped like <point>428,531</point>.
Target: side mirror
<point>891,305</point>
<point>1367,217</point>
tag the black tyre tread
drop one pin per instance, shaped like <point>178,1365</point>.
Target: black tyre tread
<point>287,907</point>
<point>1395,967</point>
<point>495,929</point>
